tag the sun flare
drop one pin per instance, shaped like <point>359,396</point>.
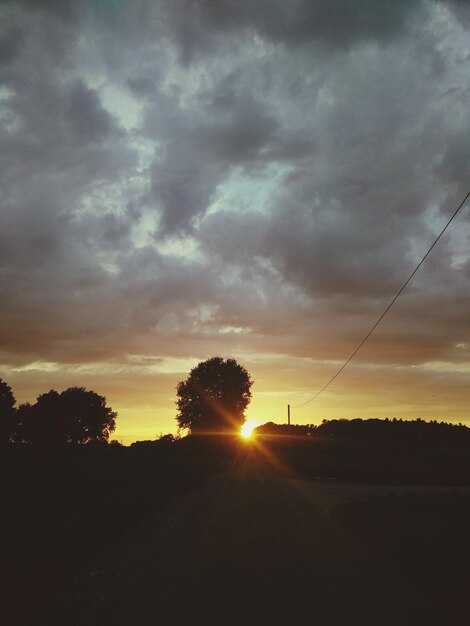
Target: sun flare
<point>247,429</point>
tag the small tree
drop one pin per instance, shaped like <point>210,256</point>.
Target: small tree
<point>214,397</point>
<point>7,412</point>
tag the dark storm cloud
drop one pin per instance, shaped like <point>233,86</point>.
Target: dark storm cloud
<point>338,23</point>
<point>62,8</point>
<point>462,10</point>
<point>350,220</point>
<point>201,144</point>
<point>58,144</point>
<point>88,119</point>
<point>295,158</point>
<point>10,44</point>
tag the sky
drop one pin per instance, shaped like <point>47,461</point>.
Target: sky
<point>254,179</point>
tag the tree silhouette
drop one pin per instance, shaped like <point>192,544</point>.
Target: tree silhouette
<point>75,416</point>
<point>7,412</point>
<point>214,397</point>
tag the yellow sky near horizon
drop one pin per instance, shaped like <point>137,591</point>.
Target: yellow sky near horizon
<point>145,402</point>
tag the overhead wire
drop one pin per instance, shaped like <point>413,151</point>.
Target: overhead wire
<point>392,302</point>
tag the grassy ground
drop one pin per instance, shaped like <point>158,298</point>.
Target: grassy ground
<point>149,531</point>
<point>62,509</point>
<point>424,538</point>
<point>250,549</point>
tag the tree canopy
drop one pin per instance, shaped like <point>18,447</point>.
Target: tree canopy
<point>75,416</point>
<point>214,396</point>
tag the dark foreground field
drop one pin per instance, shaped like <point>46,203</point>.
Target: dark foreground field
<point>230,534</point>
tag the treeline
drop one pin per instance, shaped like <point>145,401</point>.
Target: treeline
<point>74,416</point>
<point>394,431</point>
<point>79,416</point>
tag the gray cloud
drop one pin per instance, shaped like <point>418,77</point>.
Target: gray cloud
<point>201,145</point>
<point>337,23</point>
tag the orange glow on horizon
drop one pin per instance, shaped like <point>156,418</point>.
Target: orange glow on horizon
<point>146,410</point>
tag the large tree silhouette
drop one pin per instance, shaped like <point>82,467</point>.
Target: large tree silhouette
<point>7,412</point>
<point>214,396</point>
<point>75,416</point>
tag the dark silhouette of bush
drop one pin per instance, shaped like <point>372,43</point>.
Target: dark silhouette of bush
<point>214,397</point>
<point>75,416</point>
<point>291,430</point>
<point>164,442</point>
<point>7,412</point>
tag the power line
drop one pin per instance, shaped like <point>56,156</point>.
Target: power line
<point>353,354</point>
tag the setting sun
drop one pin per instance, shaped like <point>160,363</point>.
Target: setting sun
<point>247,428</point>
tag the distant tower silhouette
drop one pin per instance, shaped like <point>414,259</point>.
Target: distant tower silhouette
<point>288,414</point>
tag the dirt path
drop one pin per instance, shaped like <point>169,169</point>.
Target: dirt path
<point>249,548</point>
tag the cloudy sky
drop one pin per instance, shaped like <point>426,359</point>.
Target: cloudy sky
<point>181,179</point>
